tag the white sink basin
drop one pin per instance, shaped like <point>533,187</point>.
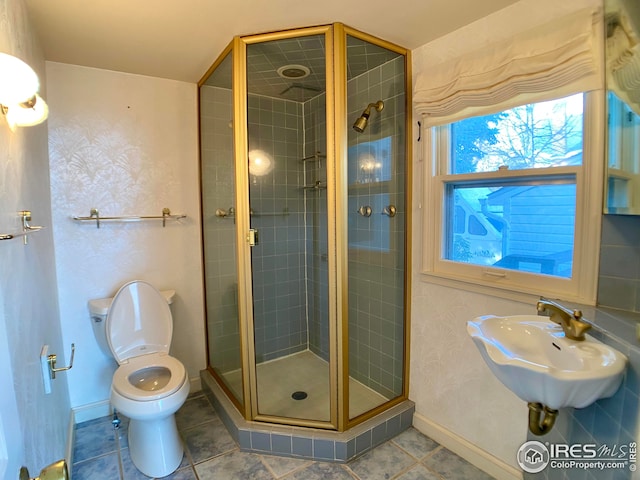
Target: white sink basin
<point>531,356</point>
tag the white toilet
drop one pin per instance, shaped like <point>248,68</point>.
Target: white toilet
<point>149,386</point>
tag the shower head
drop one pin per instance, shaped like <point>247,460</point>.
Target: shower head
<point>361,123</point>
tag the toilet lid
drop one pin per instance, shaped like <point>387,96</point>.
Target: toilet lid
<point>139,322</point>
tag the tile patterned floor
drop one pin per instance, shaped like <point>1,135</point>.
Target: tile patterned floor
<point>211,454</point>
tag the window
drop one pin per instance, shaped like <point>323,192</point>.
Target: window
<point>509,190</point>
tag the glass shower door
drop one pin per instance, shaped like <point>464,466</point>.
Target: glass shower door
<point>286,110</point>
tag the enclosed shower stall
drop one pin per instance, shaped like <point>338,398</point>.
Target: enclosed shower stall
<point>305,188</point>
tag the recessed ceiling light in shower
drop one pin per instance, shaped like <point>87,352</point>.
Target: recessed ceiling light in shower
<point>293,71</point>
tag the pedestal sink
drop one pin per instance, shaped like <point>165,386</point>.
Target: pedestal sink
<point>531,356</point>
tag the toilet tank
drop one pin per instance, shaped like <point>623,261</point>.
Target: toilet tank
<point>99,308</point>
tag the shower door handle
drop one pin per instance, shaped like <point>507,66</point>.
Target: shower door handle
<point>252,237</point>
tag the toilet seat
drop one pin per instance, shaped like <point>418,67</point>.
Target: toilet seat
<point>122,376</point>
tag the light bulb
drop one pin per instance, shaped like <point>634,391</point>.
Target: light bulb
<point>18,81</point>
<point>29,113</point>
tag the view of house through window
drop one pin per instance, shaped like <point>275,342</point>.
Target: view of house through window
<point>524,220</point>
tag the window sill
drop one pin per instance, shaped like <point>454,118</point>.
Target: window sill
<point>503,292</point>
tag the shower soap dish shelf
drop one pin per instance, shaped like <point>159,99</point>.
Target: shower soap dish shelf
<point>318,185</point>
<point>316,156</point>
<point>94,216</point>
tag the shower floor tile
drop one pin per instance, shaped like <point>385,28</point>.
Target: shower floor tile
<point>211,454</point>
<point>303,371</point>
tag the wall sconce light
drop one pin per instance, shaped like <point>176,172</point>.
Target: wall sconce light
<point>19,101</point>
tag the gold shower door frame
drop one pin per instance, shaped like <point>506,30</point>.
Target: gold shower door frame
<point>336,120</point>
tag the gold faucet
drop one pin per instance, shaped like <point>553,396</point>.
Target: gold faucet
<point>570,321</point>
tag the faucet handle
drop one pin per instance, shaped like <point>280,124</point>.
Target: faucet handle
<point>578,329</point>
<point>577,314</point>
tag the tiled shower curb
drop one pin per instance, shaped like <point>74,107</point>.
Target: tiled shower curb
<point>309,443</point>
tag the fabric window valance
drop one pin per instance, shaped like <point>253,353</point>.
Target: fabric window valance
<point>555,59</point>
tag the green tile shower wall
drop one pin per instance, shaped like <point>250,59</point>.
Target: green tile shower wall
<point>275,127</point>
<point>315,135</point>
<point>619,277</point>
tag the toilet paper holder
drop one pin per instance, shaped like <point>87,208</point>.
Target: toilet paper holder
<point>52,363</point>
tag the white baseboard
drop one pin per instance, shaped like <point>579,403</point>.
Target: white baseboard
<point>95,410</point>
<point>195,384</point>
<point>467,450</point>
<point>91,411</point>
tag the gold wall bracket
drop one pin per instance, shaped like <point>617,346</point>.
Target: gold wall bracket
<point>26,227</point>
<point>25,216</point>
<point>52,359</point>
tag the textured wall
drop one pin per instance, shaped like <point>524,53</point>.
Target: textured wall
<point>127,145</point>
<point>33,426</point>
<point>450,384</point>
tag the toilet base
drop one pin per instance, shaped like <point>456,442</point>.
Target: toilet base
<point>154,442</point>
<point>155,446</point>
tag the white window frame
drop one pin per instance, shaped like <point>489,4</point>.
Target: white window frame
<point>506,283</point>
